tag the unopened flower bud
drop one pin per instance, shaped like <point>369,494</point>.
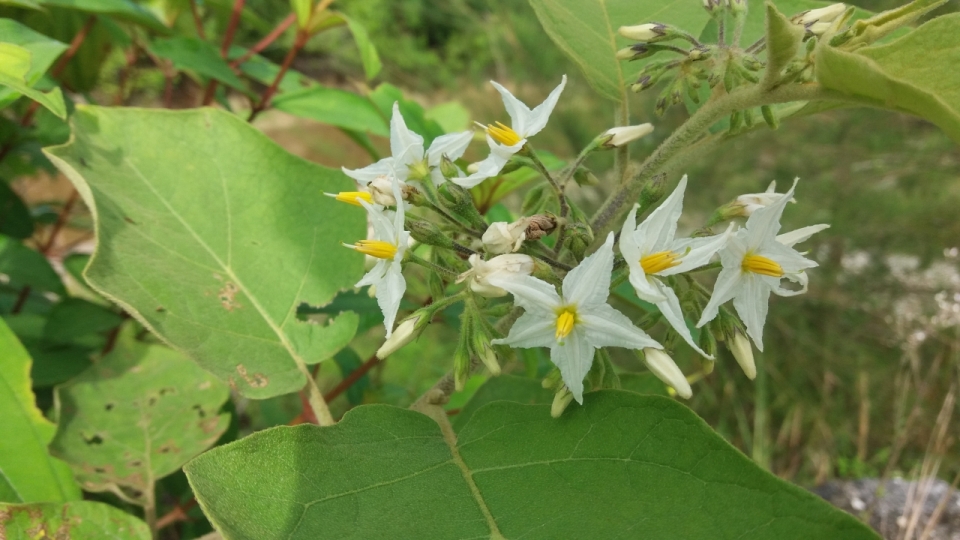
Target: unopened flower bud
<point>824,14</point>
<point>819,28</point>
<point>585,177</point>
<point>426,232</point>
<point>503,237</point>
<point>751,202</point>
<point>743,352</point>
<point>650,32</point>
<point>737,7</point>
<point>666,370</point>
<point>636,52</point>
<point>512,264</point>
<point>406,332</point>
<point>561,400</point>
<point>486,354</point>
<point>553,378</point>
<point>381,189</point>
<point>619,136</point>
<point>652,191</point>
<point>448,168</point>
<point>419,170</point>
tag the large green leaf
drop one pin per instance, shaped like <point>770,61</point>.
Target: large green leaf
<point>915,74</point>
<point>335,107</point>
<point>121,9</point>
<point>621,466</point>
<point>211,235</point>
<point>503,388</point>
<point>27,472</point>
<point>43,51</point>
<point>80,520</point>
<point>198,56</point>
<point>136,416</point>
<point>368,52</point>
<point>15,65</point>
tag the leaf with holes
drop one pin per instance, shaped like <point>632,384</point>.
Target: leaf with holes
<point>80,520</point>
<point>621,466</point>
<point>212,235</point>
<point>27,472</point>
<point>136,416</point>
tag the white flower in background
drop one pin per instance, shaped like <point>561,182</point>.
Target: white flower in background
<point>409,160</point>
<point>754,262</point>
<point>573,324</point>
<point>622,135</point>
<point>505,141</point>
<point>506,265</point>
<point>751,202</point>
<point>389,244</point>
<point>503,237</point>
<point>652,253</point>
<point>824,14</point>
<point>661,365</point>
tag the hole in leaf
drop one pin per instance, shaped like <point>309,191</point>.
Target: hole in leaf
<point>168,390</point>
<point>96,439</point>
<point>199,410</point>
<point>135,463</point>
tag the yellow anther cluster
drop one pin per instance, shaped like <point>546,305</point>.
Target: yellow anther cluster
<point>658,262</point>
<point>758,264</point>
<point>375,248</point>
<point>354,197</point>
<point>566,318</point>
<point>503,134</point>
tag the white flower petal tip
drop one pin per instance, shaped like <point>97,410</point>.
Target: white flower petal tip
<point>619,136</point>
<point>743,353</point>
<point>404,334</point>
<point>825,14</point>
<point>663,366</point>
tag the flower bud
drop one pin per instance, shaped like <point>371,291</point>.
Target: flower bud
<point>743,352</point>
<point>486,353</point>
<point>503,237</point>
<point>406,332</point>
<point>503,265</point>
<point>381,189</point>
<point>819,28</point>
<point>667,371</point>
<point>737,7</point>
<point>426,232</point>
<point>540,226</point>
<point>619,136</point>
<point>553,378</point>
<point>712,6</point>
<point>448,168</point>
<point>824,14</point>
<point>561,399</point>
<point>652,192</point>
<point>643,32</point>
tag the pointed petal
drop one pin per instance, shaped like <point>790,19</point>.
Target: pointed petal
<point>628,245</point>
<point>604,326</point>
<point>751,304</point>
<point>728,285</point>
<point>646,287</point>
<point>399,214</point>
<point>532,294</point>
<point>375,275</point>
<point>383,226</point>
<point>368,174</point>
<point>490,166</point>
<point>530,330</point>
<point>670,308</point>
<point>589,283</point>
<point>657,231</point>
<point>453,145</point>
<point>405,145</point>
<point>519,113</point>
<point>802,234</point>
<point>764,224</point>
<point>789,259</point>
<point>574,358</point>
<point>539,116</point>
<point>701,250</point>
<point>389,293</point>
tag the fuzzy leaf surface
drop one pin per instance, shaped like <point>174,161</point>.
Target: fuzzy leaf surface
<point>79,520</point>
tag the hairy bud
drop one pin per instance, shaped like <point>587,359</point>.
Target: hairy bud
<point>503,237</point>
<point>742,350</point>
<point>619,136</point>
<point>666,370</point>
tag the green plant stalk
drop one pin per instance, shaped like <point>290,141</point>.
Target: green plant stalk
<point>621,156</point>
<point>416,259</point>
<point>761,417</point>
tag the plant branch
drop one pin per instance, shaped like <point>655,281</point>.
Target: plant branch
<point>298,43</point>
<point>196,20</point>
<point>211,89</point>
<point>352,378</point>
<point>266,41</point>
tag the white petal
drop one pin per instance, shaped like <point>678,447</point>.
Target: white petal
<point>789,259</point>
<point>657,231</point>
<point>629,247</point>
<point>405,145</point>
<point>801,278</point>
<point>574,358</point>
<point>539,116</point>
<point>751,304</point>
<point>764,224</point>
<point>489,167</point>
<point>666,369</point>
<point>802,234</point>
<point>531,330</point>
<point>728,285</point>
<point>398,216</point>
<point>389,293</point>
<point>383,227</point>
<point>452,144</point>
<point>368,174</point>
<point>646,287</point>
<point>375,275</point>
<point>532,294</point>
<point>436,176</point>
<point>589,283</point>
<point>519,113</point>
<point>701,250</point>
<point>670,308</point>
<point>606,327</point>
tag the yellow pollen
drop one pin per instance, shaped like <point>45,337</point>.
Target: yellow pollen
<point>566,318</point>
<point>658,262</point>
<point>503,134</point>
<point>352,197</point>
<point>375,248</point>
<point>759,264</point>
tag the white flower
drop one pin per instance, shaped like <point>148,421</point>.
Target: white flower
<point>622,135</point>
<point>506,141</point>
<point>802,234</point>
<point>573,325</point>
<point>389,245</point>
<point>754,262</point>
<point>503,237</point>
<point>643,32</point>
<point>409,159</point>
<point>379,191</point>
<point>405,332</point>
<point>661,365</point>
<point>513,263</point>
<point>824,14</point>
<point>751,202</point>
<point>743,353</point>
<point>652,253</point>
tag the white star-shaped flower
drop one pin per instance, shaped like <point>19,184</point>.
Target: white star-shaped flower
<point>573,324</point>
<point>505,141</point>
<point>409,159</point>
<point>754,261</point>
<point>652,253</point>
<point>388,246</point>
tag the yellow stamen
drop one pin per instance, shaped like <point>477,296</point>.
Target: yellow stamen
<point>352,197</point>
<point>503,134</point>
<point>566,318</point>
<point>658,262</point>
<point>759,264</point>
<point>375,248</point>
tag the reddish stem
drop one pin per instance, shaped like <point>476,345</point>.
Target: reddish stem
<point>352,378</point>
<point>266,41</point>
<point>61,221</point>
<point>298,44</point>
<point>211,89</point>
<point>179,513</point>
<point>196,20</point>
<point>73,48</point>
<point>21,300</point>
<point>131,55</point>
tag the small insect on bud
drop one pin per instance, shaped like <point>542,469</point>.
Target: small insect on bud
<point>667,371</point>
<point>503,237</point>
<point>743,352</point>
<point>619,136</point>
<point>406,332</point>
<point>650,32</point>
<point>824,14</point>
<point>561,400</point>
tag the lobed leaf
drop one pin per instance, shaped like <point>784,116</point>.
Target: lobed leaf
<point>212,236</point>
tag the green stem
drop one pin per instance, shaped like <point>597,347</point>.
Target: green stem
<point>416,259</point>
<point>760,449</point>
<point>621,156</point>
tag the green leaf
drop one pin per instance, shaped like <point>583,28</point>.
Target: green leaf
<point>137,415</point>
<point>452,116</point>
<point>212,236</point>
<point>621,466</point>
<point>53,362</point>
<point>643,383</point>
<point>15,65</point>
<point>194,54</point>
<point>80,520</point>
<point>334,107</point>
<point>914,74</point>
<point>265,72</point>
<point>15,220</point>
<point>120,9</point>
<point>74,319</point>
<point>783,42</point>
<point>302,8</point>
<point>27,472</point>
<point>586,30</point>
<point>43,51</point>
<point>368,52</point>
<point>503,388</point>
<point>385,95</point>
<point>28,4</point>
<point>26,267</point>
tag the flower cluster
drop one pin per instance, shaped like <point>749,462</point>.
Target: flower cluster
<point>559,294</point>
